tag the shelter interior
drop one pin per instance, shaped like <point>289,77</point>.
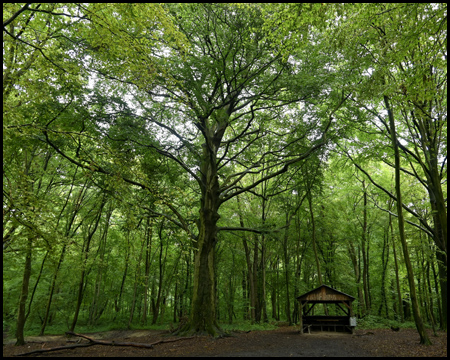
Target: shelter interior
<point>338,317</point>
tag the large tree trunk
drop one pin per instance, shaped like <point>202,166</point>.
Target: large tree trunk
<point>432,171</point>
<point>203,312</point>
<point>440,228</point>
<point>401,226</point>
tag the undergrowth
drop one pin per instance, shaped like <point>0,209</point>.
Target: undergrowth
<point>378,322</point>
<point>368,322</point>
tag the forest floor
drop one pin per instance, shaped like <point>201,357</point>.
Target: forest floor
<point>284,341</point>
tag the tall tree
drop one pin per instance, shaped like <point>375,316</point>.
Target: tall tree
<point>211,108</point>
<point>409,67</point>
<point>401,225</point>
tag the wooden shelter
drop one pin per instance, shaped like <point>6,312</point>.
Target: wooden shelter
<point>326,295</point>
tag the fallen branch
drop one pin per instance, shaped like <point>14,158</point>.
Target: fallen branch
<point>101,342</point>
<point>55,349</point>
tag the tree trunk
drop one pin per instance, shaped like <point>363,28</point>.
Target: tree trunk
<point>24,294</point>
<point>148,246</point>
<point>137,280</point>
<point>432,172</point>
<point>203,312</point>
<point>442,271</point>
<point>397,277</point>
<point>313,224</point>
<point>162,262</point>
<point>91,231</point>
<point>286,269</point>
<point>95,312</point>
<point>52,289</point>
<point>365,253</point>
<point>202,318</point>
<point>384,262</point>
<point>118,302</point>
<point>256,287</point>
<point>250,279</point>
<point>68,233</point>
<point>401,226</point>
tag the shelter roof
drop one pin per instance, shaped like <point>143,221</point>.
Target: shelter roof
<point>325,294</point>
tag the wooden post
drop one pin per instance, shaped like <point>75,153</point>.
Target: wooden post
<point>301,318</point>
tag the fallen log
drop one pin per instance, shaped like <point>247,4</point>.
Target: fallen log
<point>102,342</point>
<point>55,349</point>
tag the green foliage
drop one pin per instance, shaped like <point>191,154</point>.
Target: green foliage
<point>377,322</point>
<point>108,110</point>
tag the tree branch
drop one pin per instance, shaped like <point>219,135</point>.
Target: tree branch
<point>11,19</point>
<point>392,196</point>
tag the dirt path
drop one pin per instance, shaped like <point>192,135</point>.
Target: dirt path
<point>284,341</point>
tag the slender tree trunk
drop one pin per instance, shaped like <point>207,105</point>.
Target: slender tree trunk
<point>94,311</point>
<point>397,277</point>
<point>384,262</point>
<point>401,225</point>
<point>353,258</point>
<point>36,284</point>
<point>256,282</point>
<point>286,269</point>
<point>20,339</point>
<point>91,231</point>
<point>262,267</point>
<point>137,278</point>
<point>365,273</point>
<point>244,295</point>
<point>436,288</point>
<point>250,273</point>
<point>68,233</point>
<point>442,270</point>
<point>299,259</point>
<point>118,302</point>
<point>52,289</point>
<point>148,239</point>
<point>161,275</point>
<point>263,281</point>
<point>313,224</point>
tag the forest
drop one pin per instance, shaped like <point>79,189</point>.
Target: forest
<point>199,165</point>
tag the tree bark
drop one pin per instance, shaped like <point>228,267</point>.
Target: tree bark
<point>20,339</point>
<point>148,247</point>
<point>313,224</point>
<point>401,226</point>
<point>90,233</point>
<point>250,277</point>
<point>286,270</point>
<point>203,313</point>
<point>365,273</point>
